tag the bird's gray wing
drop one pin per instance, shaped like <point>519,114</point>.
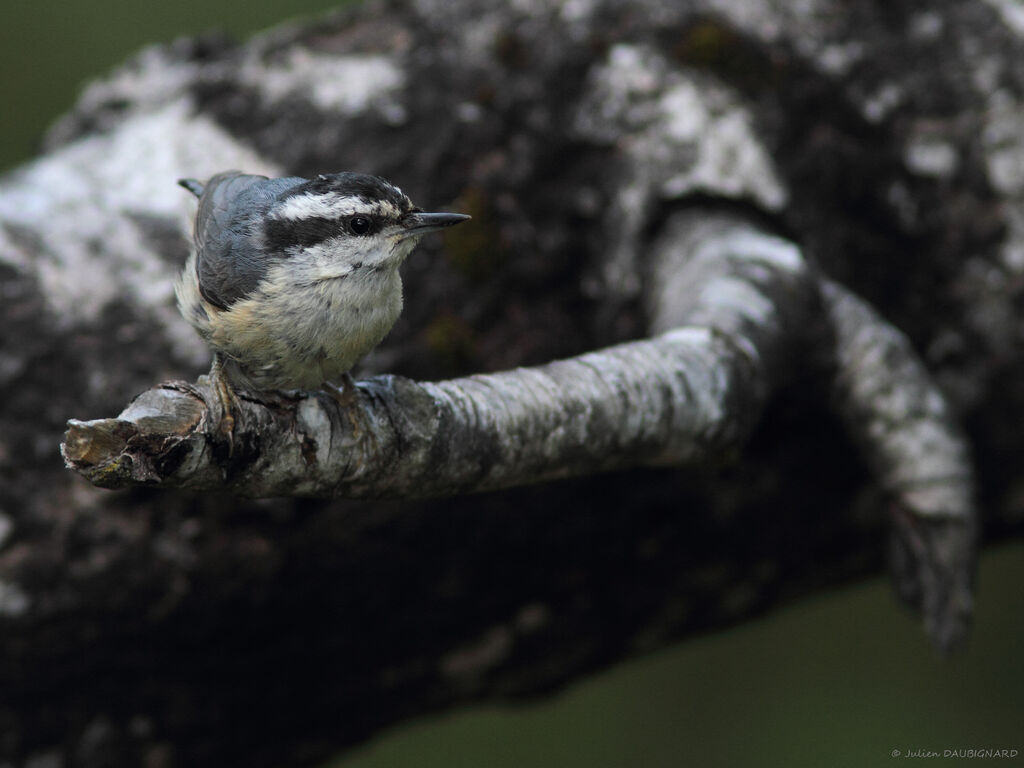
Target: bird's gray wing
<point>228,263</point>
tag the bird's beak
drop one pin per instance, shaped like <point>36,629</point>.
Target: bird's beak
<point>416,224</point>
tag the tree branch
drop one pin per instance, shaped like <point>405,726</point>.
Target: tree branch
<point>736,298</point>
<point>677,398</point>
<point>908,436</point>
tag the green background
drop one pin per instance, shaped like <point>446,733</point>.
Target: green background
<point>50,48</point>
<point>841,680</point>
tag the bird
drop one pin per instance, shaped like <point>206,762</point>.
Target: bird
<point>291,281</point>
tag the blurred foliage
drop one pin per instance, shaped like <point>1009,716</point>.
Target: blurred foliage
<point>50,49</point>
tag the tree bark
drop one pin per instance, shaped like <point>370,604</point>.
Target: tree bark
<point>711,215</point>
<point>677,398</point>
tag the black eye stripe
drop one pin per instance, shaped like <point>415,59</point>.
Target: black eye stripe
<point>311,230</point>
<point>284,233</point>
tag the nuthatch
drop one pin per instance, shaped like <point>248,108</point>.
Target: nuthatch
<point>292,281</point>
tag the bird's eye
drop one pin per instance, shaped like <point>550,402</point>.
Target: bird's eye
<point>359,225</point>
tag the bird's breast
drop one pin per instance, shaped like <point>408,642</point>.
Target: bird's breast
<point>295,333</point>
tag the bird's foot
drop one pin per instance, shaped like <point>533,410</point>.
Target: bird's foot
<point>228,401</point>
<point>346,396</point>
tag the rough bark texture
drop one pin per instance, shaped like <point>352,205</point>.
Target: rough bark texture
<point>164,628</point>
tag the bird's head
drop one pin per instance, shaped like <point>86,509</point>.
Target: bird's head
<point>349,219</point>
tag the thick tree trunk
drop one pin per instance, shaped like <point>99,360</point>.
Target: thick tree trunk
<point>622,163</point>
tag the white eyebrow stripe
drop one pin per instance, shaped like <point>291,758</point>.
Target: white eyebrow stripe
<point>330,206</point>
<point>309,206</point>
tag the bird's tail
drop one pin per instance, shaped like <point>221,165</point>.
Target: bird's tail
<point>194,186</point>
